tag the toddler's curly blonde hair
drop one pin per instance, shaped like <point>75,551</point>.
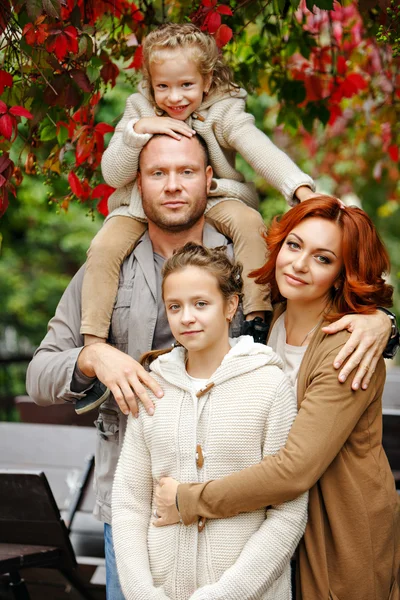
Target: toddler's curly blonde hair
<point>203,49</point>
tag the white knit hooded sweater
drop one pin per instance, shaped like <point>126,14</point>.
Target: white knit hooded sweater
<point>226,128</point>
<point>245,415</point>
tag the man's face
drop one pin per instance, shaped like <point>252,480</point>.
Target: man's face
<point>174,182</point>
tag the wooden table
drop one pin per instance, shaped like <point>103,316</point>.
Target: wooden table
<point>14,557</point>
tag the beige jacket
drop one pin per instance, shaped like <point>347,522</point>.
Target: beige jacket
<point>351,547</point>
<point>226,128</point>
<point>243,413</point>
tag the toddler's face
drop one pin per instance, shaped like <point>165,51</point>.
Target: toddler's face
<point>177,84</point>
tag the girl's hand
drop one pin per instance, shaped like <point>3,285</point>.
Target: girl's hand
<point>165,501</point>
<point>166,125</point>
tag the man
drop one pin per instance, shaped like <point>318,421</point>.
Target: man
<point>174,181</point>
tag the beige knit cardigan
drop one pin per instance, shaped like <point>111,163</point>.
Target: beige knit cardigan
<point>351,546</point>
<point>245,415</point>
<point>226,128</point>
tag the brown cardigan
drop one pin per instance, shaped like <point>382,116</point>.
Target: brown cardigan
<point>351,546</point>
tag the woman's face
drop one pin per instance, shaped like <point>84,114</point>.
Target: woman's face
<point>310,262</point>
<point>197,312</point>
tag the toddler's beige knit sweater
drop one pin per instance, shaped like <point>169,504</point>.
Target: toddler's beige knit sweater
<point>245,415</point>
<point>226,128</point>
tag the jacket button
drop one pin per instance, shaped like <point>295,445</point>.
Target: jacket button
<point>201,524</point>
<point>199,456</point>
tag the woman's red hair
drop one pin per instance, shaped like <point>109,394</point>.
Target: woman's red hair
<point>365,258</point>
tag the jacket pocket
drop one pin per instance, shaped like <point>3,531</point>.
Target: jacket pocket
<point>107,452</point>
<point>120,318</point>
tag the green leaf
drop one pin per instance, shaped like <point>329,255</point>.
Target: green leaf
<point>52,8</point>
<point>48,132</point>
<point>34,9</point>
<point>93,73</point>
<point>293,92</point>
<point>324,4</point>
<point>62,136</point>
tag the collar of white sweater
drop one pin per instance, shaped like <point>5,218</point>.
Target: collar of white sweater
<point>244,356</point>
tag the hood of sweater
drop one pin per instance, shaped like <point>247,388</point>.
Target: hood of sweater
<point>244,356</point>
<point>208,101</point>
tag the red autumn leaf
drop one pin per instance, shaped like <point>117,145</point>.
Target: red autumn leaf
<point>102,207</point>
<point>5,14</point>
<point>3,107</point>
<point>223,35</point>
<point>75,185</point>
<point>20,111</point>
<point>5,80</point>
<point>71,34</point>
<point>6,126</point>
<point>58,45</point>
<point>213,22</point>
<point>136,14</point>
<point>81,80</point>
<point>209,3</point>
<point>393,152</point>
<point>84,149</point>
<point>109,72</point>
<point>357,80</point>
<point>102,191</point>
<point>224,10</point>
<point>335,112</point>
<point>3,191</point>
<point>104,128</point>
<point>137,59</point>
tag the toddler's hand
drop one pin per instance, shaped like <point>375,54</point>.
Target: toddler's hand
<point>166,125</point>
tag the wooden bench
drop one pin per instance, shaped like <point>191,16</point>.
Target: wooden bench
<point>62,453</point>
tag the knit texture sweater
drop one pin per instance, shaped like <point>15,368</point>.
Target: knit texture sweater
<point>226,128</point>
<point>244,413</point>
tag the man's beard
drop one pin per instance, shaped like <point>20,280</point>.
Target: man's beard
<point>172,223</point>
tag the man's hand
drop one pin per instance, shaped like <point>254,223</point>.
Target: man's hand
<point>123,376</point>
<point>165,501</point>
<point>167,125</point>
<point>369,336</point>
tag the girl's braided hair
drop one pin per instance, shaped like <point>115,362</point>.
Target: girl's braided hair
<point>203,49</point>
<point>213,260</point>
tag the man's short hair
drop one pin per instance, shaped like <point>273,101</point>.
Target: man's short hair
<point>197,137</point>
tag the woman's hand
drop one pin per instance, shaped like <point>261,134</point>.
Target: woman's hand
<point>165,501</point>
<point>369,336</point>
<point>166,125</point>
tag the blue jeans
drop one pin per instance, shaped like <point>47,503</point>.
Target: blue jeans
<point>113,587</point>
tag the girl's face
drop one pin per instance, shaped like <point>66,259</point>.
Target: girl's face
<point>197,312</point>
<point>310,261</point>
<point>177,84</point>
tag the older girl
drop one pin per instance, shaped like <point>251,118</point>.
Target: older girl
<point>227,404</point>
<point>325,260</point>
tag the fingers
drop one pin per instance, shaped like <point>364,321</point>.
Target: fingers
<point>119,398</point>
<point>160,522</point>
<point>180,127</point>
<point>340,325</point>
<point>365,371</point>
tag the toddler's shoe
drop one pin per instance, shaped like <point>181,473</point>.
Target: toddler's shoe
<point>96,396</point>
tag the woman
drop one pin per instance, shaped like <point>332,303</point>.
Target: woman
<point>201,429</point>
<point>324,260</point>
